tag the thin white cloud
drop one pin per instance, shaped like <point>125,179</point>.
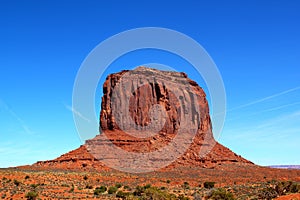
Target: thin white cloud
<point>24,126</point>
<point>264,99</point>
<point>267,110</point>
<point>283,126</point>
<point>74,111</point>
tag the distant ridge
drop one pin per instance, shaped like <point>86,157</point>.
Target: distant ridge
<point>285,166</point>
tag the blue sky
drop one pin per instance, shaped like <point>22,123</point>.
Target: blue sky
<point>255,44</point>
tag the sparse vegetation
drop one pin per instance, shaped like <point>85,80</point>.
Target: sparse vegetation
<point>126,187</point>
<point>182,197</point>
<point>16,182</point>
<point>112,190</point>
<point>58,185</point>
<point>139,190</point>
<point>88,187</point>
<point>209,185</point>
<point>268,193</point>
<point>100,190</point>
<point>186,186</point>
<point>32,195</point>
<point>122,195</point>
<point>72,189</point>
<point>34,186</point>
<point>220,193</point>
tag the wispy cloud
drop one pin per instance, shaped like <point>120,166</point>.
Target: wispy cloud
<point>264,99</point>
<point>24,126</point>
<point>276,127</point>
<point>76,112</point>
<point>268,110</point>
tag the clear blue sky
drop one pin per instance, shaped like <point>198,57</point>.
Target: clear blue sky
<point>255,44</point>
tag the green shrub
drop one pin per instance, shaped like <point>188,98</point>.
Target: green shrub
<point>286,187</point>
<point>122,195</point>
<point>209,185</point>
<point>34,186</point>
<point>72,189</point>
<point>31,195</point>
<point>268,193</point>
<point>155,193</point>
<point>168,181</point>
<point>147,186</point>
<point>186,185</point>
<point>295,188</point>
<point>100,190</point>
<point>182,197</point>
<point>220,193</point>
<point>64,185</point>
<point>88,187</point>
<point>16,182</point>
<point>126,187</point>
<point>112,190</point>
<point>139,190</point>
<point>118,185</point>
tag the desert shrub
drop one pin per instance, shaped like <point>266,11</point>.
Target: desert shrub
<point>31,195</point>
<point>220,193</point>
<point>186,185</point>
<point>100,190</point>
<point>27,177</point>
<point>64,185</point>
<point>268,193</point>
<point>155,193</point>
<point>182,197</point>
<point>168,181</point>
<point>286,187</point>
<point>209,185</point>
<point>295,188</point>
<point>118,185</point>
<point>279,188</point>
<point>88,187</point>
<point>126,187</point>
<point>34,186</point>
<point>147,186</point>
<point>16,182</point>
<point>72,189</point>
<point>139,190</point>
<point>122,195</point>
<point>85,177</point>
<point>197,196</point>
<point>112,190</point>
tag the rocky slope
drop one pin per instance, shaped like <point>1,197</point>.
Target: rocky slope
<point>143,111</point>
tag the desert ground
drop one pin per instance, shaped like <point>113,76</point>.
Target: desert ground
<point>223,182</point>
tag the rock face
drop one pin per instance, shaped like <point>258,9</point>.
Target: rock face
<point>135,92</point>
<point>144,110</point>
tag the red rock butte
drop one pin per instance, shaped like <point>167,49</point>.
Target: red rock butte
<point>127,106</point>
